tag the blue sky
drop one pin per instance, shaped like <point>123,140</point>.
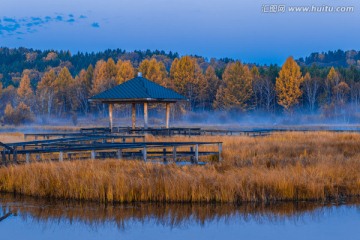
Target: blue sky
<point>211,28</point>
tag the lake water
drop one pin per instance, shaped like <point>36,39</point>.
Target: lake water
<point>30,218</point>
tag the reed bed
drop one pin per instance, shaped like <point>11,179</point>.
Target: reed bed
<point>279,167</point>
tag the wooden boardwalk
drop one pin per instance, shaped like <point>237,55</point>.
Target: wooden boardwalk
<point>105,146</point>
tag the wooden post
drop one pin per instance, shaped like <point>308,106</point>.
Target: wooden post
<point>93,154</point>
<point>119,154</point>
<point>145,115</point>
<point>15,156</point>
<point>144,154</point>
<point>191,154</point>
<point>111,105</point>
<point>133,115</point>
<point>196,153</point>
<point>167,114</point>
<point>3,156</point>
<point>220,151</point>
<point>164,155</point>
<point>174,153</point>
<point>61,156</point>
<point>27,157</point>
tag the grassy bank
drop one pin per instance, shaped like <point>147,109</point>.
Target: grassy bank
<point>288,166</point>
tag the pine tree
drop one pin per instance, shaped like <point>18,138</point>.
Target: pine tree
<point>288,84</point>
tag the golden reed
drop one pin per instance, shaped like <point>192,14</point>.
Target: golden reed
<point>280,167</point>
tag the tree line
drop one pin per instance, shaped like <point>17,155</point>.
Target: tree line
<point>215,85</point>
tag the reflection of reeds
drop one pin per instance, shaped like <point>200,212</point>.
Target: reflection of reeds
<point>289,166</point>
<point>172,215</point>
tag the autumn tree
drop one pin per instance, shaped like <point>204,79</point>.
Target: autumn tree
<point>212,83</point>
<point>311,88</point>
<point>46,92</point>
<point>288,84</point>
<point>238,86</point>
<point>83,84</point>
<point>341,93</point>
<point>187,79</point>
<point>124,71</point>
<point>332,79</point>
<point>154,71</point>
<point>104,76</point>
<point>65,97</point>
<point>25,93</point>
<point>264,91</point>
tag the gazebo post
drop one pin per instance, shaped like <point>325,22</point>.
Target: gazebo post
<point>133,115</point>
<point>145,115</point>
<point>111,115</point>
<point>167,114</point>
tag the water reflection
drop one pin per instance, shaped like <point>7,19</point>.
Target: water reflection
<point>169,215</point>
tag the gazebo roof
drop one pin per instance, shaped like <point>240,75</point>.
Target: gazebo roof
<point>138,89</point>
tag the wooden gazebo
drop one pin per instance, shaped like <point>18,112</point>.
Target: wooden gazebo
<point>138,90</point>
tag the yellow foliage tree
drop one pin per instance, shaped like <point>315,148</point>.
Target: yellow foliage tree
<point>65,97</point>
<point>45,92</point>
<point>238,86</point>
<point>288,84</point>
<point>188,79</point>
<point>212,83</point>
<point>154,70</point>
<point>332,79</point>
<point>24,92</point>
<point>124,71</point>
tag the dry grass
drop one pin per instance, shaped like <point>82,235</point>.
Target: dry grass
<point>7,137</point>
<point>287,167</point>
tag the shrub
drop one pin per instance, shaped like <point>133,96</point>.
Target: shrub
<point>21,114</point>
